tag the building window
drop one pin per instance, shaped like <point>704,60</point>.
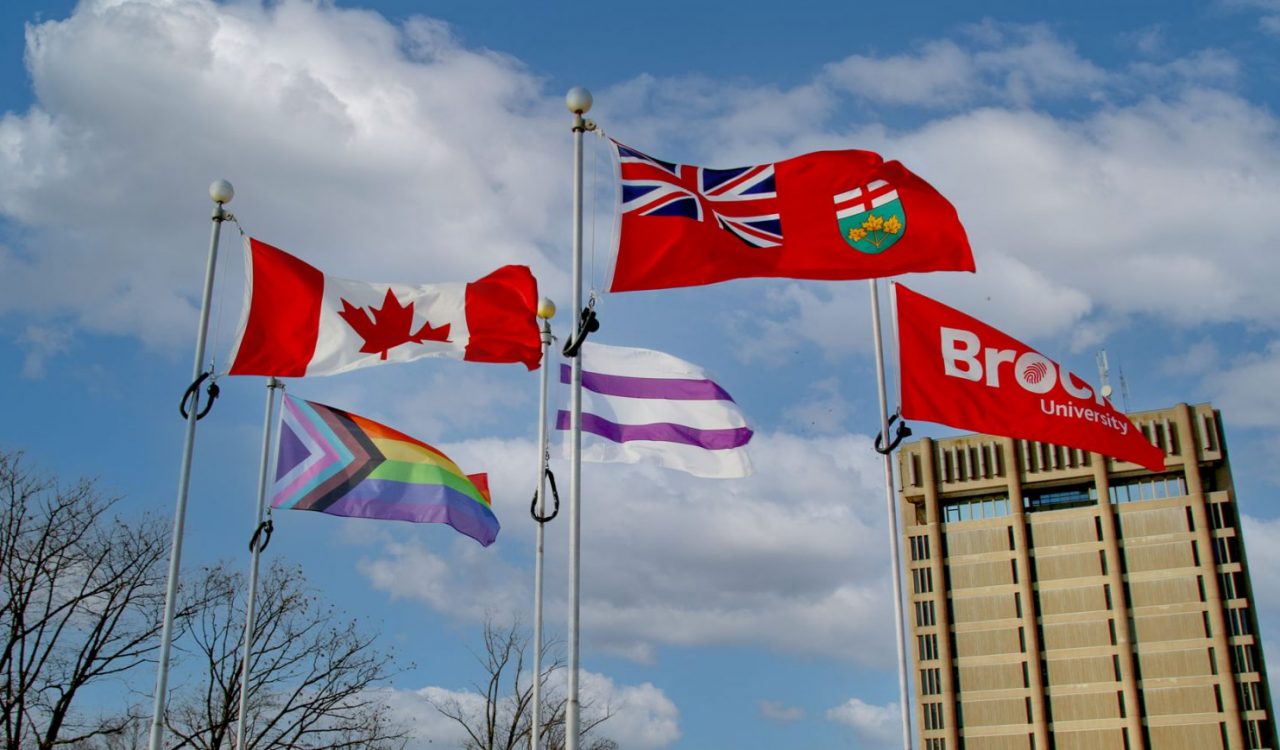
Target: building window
<point>919,548</point>
<point>928,645</point>
<point>925,614</point>
<point>930,681</point>
<point>1251,696</point>
<point>975,508</point>
<point>1244,658</point>
<point>1155,487</point>
<point>1060,498</point>
<point>1238,621</point>
<point>935,743</point>
<point>1259,732</point>
<point>1226,549</point>
<point>932,716</point>
<point>1221,516</point>
<point>922,580</point>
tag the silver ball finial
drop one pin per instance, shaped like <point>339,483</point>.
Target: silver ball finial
<point>578,100</point>
<point>546,308</point>
<point>221,191</point>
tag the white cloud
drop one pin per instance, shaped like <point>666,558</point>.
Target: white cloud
<point>42,342</point>
<point>824,411</point>
<point>1247,388</point>
<point>374,150</point>
<point>1008,63</point>
<point>877,727</point>
<point>640,716</point>
<point>778,711</point>
<point>793,559</point>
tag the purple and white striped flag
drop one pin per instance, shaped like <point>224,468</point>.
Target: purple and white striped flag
<point>639,405</point>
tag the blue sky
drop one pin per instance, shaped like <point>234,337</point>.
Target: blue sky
<point>1116,165</point>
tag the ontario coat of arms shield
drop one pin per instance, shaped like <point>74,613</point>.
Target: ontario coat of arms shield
<point>871,217</point>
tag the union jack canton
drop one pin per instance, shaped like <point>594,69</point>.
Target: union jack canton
<point>741,201</point>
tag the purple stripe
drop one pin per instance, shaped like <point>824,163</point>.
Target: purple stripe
<point>672,389</point>
<point>420,503</point>
<point>666,432</point>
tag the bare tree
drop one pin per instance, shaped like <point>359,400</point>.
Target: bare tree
<point>81,598</point>
<point>504,721</point>
<point>313,676</point>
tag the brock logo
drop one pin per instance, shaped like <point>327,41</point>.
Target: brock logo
<point>964,356</point>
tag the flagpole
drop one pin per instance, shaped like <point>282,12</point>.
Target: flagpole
<point>546,310</point>
<point>256,544</point>
<point>891,508</point>
<point>221,193</point>
<point>578,100</point>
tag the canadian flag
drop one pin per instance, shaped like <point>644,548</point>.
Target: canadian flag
<point>959,371</point>
<point>299,322</point>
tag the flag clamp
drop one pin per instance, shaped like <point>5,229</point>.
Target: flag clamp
<point>533,507</point>
<point>587,325</point>
<point>902,433</point>
<point>261,534</point>
<point>193,395</point>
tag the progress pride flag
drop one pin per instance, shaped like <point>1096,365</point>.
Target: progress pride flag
<point>959,371</point>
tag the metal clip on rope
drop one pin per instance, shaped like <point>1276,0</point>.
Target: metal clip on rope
<point>903,433</point>
<point>193,395</point>
<point>263,533</point>
<point>533,507</point>
<point>586,326</point>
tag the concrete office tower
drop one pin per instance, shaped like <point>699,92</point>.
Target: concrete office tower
<point>1062,600</point>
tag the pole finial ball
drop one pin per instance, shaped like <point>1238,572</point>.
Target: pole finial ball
<point>546,308</point>
<point>578,100</point>
<point>221,191</point>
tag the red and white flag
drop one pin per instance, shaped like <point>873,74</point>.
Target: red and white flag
<point>299,322</point>
<point>959,371</point>
<point>827,215</point>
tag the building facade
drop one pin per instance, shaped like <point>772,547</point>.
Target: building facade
<point>1059,599</point>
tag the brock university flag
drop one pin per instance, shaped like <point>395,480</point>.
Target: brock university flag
<point>958,371</point>
<point>299,322</point>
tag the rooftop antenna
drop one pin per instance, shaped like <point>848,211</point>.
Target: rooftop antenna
<point>1104,374</point>
<point>1124,390</point>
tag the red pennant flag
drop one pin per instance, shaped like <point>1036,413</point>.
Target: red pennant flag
<point>959,371</point>
<point>299,322</point>
<point>828,215</point>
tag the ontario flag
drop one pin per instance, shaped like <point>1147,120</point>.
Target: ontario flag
<point>959,371</point>
<point>299,322</point>
<point>830,215</point>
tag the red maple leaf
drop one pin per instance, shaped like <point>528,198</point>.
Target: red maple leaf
<point>389,326</point>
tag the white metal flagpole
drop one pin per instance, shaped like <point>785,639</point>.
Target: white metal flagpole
<point>578,101</point>
<point>546,310</point>
<point>256,544</point>
<point>221,192</point>
<point>891,507</point>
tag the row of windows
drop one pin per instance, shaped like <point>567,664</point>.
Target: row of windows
<point>925,614</point>
<point>1149,488</point>
<point>930,681</point>
<point>975,508</point>
<point>922,580</point>
<point>919,548</point>
<point>935,743</point>
<point>1226,549</point>
<point>928,647</point>
<point>932,716</point>
<point>1244,658</point>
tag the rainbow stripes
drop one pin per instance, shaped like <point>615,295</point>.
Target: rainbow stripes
<point>340,463</point>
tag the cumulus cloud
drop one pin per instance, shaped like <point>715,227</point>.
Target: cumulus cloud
<point>824,411</point>
<point>780,712</point>
<point>639,716</point>
<point>42,342</point>
<point>375,150</point>
<point>875,726</point>
<point>793,559</point>
<point>1246,389</point>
